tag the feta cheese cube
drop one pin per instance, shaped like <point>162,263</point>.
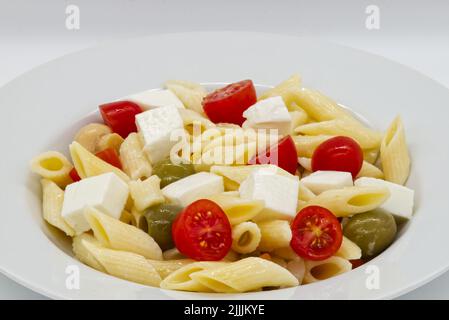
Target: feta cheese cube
<point>107,193</point>
<point>161,129</point>
<point>151,99</point>
<point>321,181</point>
<point>280,194</point>
<point>197,186</point>
<point>400,203</point>
<point>269,113</point>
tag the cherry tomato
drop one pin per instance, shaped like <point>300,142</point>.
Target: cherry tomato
<point>202,231</point>
<point>339,154</point>
<point>110,156</point>
<point>227,104</point>
<point>282,154</point>
<point>74,175</point>
<point>356,263</point>
<point>120,116</point>
<point>316,233</point>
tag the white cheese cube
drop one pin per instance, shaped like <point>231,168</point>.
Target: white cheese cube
<point>161,129</point>
<point>197,186</point>
<point>269,113</point>
<point>400,203</point>
<point>320,181</point>
<point>107,193</point>
<point>280,194</point>
<point>151,99</point>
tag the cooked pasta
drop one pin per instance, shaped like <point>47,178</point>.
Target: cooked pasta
<point>351,200</point>
<point>297,267</point>
<point>146,193</point>
<point>284,89</point>
<point>306,163</point>
<point>52,199</point>
<point>394,154</point>
<point>182,279</point>
<point>110,141</point>
<point>245,237</point>
<point>134,161</point>
<point>275,234</point>
<point>167,267</point>
<point>305,194</point>
<point>370,170</point>
<point>117,235</point>
<point>138,220</point>
<point>121,264</point>
<point>89,135</point>
<point>52,166</point>
<point>126,217</point>
<point>325,269</point>
<point>238,209</point>
<point>306,145</point>
<point>249,274</point>
<point>191,94</point>
<point>88,165</point>
<point>173,254</point>
<point>349,250</point>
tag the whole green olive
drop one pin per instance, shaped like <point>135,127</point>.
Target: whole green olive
<point>169,172</point>
<point>160,219</point>
<point>372,231</point>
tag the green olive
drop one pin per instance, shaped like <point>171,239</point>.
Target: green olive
<point>169,172</point>
<point>160,219</point>
<point>372,231</point>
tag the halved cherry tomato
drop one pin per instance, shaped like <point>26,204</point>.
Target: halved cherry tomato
<point>282,154</point>
<point>110,156</point>
<point>316,233</point>
<point>339,154</point>
<point>227,104</point>
<point>74,175</point>
<point>120,116</point>
<point>356,263</point>
<point>202,231</point>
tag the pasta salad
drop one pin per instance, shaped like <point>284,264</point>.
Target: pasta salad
<point>228,191</point>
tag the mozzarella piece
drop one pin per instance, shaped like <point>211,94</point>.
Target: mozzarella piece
<point>106,192</point>
<point>151,99</point>
<point>161,129</point>
<point>279,192</point>
<point>320,181</point>
<point>269,113</point>
<point>400,203</point>
<point>197,186</point>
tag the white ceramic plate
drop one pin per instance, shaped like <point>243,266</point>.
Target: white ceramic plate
<point>42,109</point>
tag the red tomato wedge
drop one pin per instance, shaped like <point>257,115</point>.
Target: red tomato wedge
<point>282,154</point>
<point>202,231</point>
<point>226,105</point>
<point>110,156</point>
<point>316,233</point>
<point>120,116</point>
<point>74,175</point>
<point>338,154</point>
<point>356,263</point>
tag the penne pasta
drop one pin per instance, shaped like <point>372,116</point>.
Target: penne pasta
<point>117,235</point>
<point>299,117</point>
<point>285,89</point>
<point>305,194</point>
<point>245,237</point>
<point>138,220</point>
<point>110,140</point>
<point>297,267</point>
<point>325,269</point>
<point>88,165</point>
<point>191,94</point>
<point>238,210</point>
<point>367,138</point>
<point>133,159</point>
<point>305,163</point>
<point>285,253</point>
<point>52,199</point>
<point>370,170</point>
<point>89,135</point>
<point>306,145</point>
<point>351,200</point>
<point>181,279</point>
<point>249,274</point>
<point>146,193</point>
<point>275,234</point>
<point>394,154</point>
<point>349,250</point>
<point>167,267</point>
<point>52,166</point>
<point>173,254</point>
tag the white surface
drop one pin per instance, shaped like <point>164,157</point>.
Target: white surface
<point>414,34</point>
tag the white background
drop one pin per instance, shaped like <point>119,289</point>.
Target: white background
<point>414,33</point>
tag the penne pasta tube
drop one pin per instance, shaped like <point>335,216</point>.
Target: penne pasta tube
<point>133,159</point>
<point>370,170</point>
<point>110,140</point>
<point>117,235</point>
<point>146,193</point>
<point>167,267</point>
<point>238,210</point>
<point>191,94</point>
<point>285,89</point>
<point>306,145</point>
<point>275,234</point>
<point>349,250</point>
<point>52,166</point>
<point>325,269</point>
<point>245,237</point>
<point>89,135</point>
